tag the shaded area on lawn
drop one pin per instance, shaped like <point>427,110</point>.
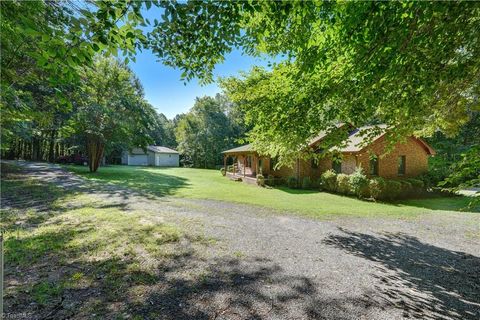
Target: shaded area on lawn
<point>442,281</point>
<point>55,186</point>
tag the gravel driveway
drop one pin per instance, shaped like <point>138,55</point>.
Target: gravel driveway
<point>274,265</point>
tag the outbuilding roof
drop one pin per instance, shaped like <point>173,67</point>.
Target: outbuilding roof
<point>160,149</point>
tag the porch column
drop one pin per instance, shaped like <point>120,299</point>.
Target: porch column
<point>244,164</point>
<point>225,162</point>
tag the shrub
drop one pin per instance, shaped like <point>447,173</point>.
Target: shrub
<point>292,182</point>
<point>260,180</point>
<point>315,183</point>
<point>222,170</point>
<point>417,183</point>
<point>406,190</point>
<point>306,183</point>
<point>359,183</point>
<point>343,183</point>
<point>329,180</point>
<point>393,189</point>
<point>281,181</point>
<point>418,187</point>
<point>270,181</point>
<point>376,188</point>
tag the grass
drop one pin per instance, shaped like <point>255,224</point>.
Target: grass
<point>73,253</point>
<point>61,244</point>
<point>209,184</point>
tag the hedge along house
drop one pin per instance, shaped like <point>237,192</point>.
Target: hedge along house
<point>405,160</point>
<point>153,156</point>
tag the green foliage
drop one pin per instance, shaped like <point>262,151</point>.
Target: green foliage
<point>292,182</point>
<point>358,182</point>
<point>306,183</point>
<point>260,180</point>
<point>205,131</point>
<point>223,171</point>
<point>377,188</point>
<point>465,174</point>
<point>417,184</point>
<point>393,189</point>
<point>329,181</point>
<point>407,189</point>
<point>44,291</point>
<point>343,181</point>
<point>382,67</point>
<point>111,110</point>
<point>163,132</point>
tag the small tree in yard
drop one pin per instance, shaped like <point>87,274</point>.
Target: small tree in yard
<point>358,182</point>
<point>111,109</point>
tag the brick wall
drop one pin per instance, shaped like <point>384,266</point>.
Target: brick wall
<point>416,159</point>
<point>416,162</point>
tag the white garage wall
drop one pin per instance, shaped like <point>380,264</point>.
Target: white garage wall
<point>137,160</point>
<point>167,160</point>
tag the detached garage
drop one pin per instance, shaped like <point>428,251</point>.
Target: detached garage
<point>155,156</point>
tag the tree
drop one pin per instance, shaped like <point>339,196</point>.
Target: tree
<point>163,132</point>
<point>412,65</point>
<point>205,131</point>
<point>110,110</point>
<point>45,46</point>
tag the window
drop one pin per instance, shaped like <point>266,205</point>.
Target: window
<point>374,166</point>
<point>337,166</point>
<point>401,165</point>
<point>249,161</point>
<point>260,166</point>
<point>273,163</point>
<point>314,164</point>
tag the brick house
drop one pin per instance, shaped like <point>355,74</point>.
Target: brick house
<point>406,159</point>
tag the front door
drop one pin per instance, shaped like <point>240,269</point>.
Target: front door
<point>260,166</point>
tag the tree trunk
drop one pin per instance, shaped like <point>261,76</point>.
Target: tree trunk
<point>95,149</point>
<point>51,146</point>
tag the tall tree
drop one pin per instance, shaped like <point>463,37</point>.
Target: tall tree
<point>163,132</point>
<point>205,131</point>
<point>110,109</point>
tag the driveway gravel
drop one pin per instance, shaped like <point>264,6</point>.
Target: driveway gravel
<point>265,264</point>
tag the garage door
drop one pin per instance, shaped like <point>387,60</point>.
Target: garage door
<point>166,160</point>
<point>138,160</point>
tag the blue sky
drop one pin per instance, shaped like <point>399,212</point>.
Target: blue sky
<point>169,95</point>
<point>163,88</point>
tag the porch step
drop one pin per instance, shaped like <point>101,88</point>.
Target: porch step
<point>236,179</point>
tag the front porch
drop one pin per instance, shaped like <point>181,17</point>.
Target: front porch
<point>240,177</point>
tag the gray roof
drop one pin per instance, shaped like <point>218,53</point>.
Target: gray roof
<point>245,148</point>
<point>160,149</point>
<point>323,134</point>
<point>356,141</point>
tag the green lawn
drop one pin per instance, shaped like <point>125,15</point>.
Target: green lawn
<point>72,244</point>
<point>209,184</point>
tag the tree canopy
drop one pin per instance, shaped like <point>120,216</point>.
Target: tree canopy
<point>209,128</point>
<point>412,65</point>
